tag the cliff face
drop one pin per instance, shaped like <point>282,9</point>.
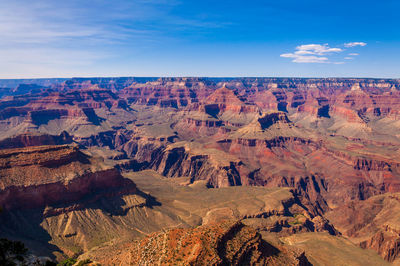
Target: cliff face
<point>30,139</point>
<point>43,189</point>
<point>35,177</point>
<point>330,141</point>
<point>372,223</point>
<point>178,162</point>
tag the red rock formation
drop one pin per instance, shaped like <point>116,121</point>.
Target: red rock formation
<point>35,177</point>
<point>219,244</point>
<point>31,139</point>
<point>331,141</point>
<point>372,223</point>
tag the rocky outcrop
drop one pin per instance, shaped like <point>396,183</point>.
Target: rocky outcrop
<point>330,141</point>
<point>167,92</point>
<point>370,164</point>
<point>270,119</point>
<point>40,117</point>
<point>225,243</point>
<point>372,223</point>
<point>104,183</point>
<point>386,243</point>
<point>177,162</point>
<point>35,177</point>
<point>31,139</point>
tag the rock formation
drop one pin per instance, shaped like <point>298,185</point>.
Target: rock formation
<point>223,243</point>
<point>330,142</point>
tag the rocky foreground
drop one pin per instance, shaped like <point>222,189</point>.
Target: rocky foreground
<point>226,243</point>
<point>75,156</point>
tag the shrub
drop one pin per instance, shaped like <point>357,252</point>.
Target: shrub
<point>67,262</point>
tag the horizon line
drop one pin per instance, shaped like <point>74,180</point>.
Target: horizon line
<point>211,77</point>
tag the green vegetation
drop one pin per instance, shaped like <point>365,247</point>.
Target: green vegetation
<point>296,216</point>
<point>84,262</point>
<point>67,262</point>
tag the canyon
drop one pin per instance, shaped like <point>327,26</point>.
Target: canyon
<point>274,171</point>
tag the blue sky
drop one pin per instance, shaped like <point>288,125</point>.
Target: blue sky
<point>308,38</point>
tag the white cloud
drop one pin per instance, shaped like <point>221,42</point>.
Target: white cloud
<point>353,54</point>
<point>305,58</point>
<point>354,44</point>
<point>312,53</point>
<point>316,49</point>
<point>349,58</point>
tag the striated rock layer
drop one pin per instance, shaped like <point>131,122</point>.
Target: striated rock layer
<point>39,176</point>
<point>331,142</point>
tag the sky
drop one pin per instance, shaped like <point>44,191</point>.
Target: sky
<point>285,38</point>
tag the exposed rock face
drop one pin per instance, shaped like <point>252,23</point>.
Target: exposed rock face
<point>179,162</point>
<point>372,223</point>
<point>40,117</point>
<point>35,177</point>
<point>167,92</point>
<point>225,243</point>
<point>30,139</point>
<point>270,119</point>
<point>57,191</point>
<point>330,141</point>
<point>386,243</point>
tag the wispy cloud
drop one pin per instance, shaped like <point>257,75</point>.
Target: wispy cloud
<point>48,22</point>
<point>312,53</point>
<point>354,44</point>
<point>305,58</point>
<point>353,54</point>
<point>317,49</point>
<point>349,58</point>
<point>58,35</point>
<point>47,37</point>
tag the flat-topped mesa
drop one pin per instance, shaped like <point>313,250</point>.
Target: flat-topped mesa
<point>170,92</point>
<point>94,97</point>
<point>35,177</point>
<point>40,117</point>
<point>78,105</point>
<point>201,126</point>
<point>35,139</point>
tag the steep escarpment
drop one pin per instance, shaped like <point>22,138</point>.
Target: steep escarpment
<point>329,142</point>
<point>46,175</point>
<point>179,161</point>
<point>168,92</point>
<point>31,139</point>
<point>373,224</point>
<point>52,193</point>
<point>274,151</point>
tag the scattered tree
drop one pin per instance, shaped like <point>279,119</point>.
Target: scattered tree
<point>12,252</point>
